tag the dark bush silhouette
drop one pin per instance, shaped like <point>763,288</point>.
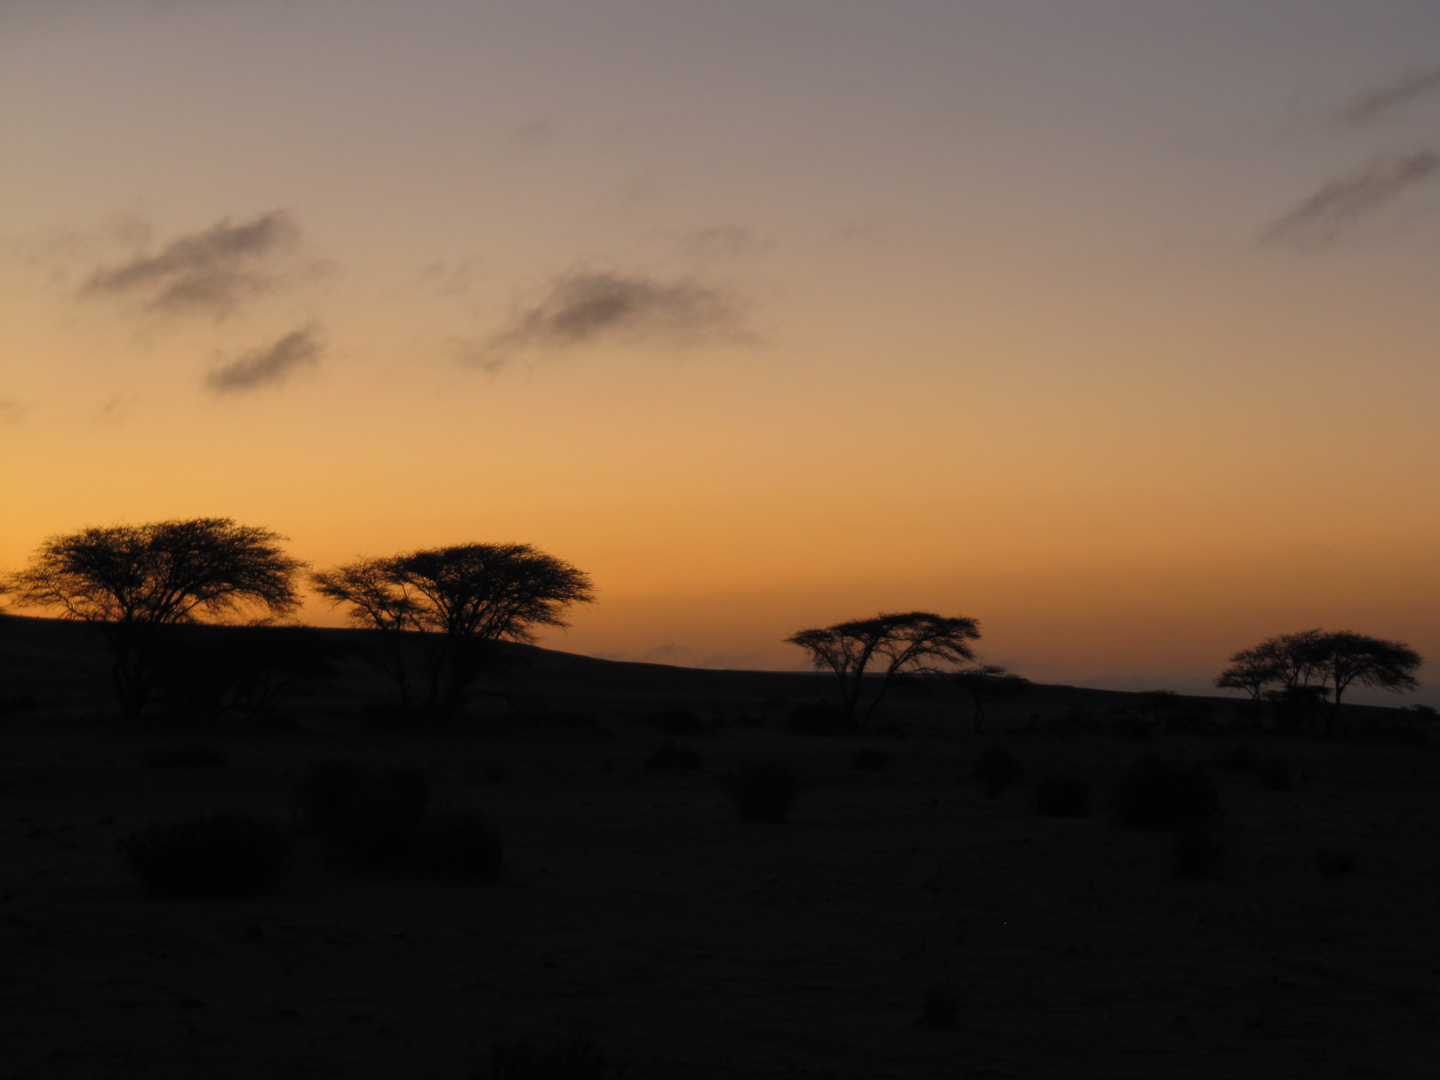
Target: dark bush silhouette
<point>1242,759</point>
<point>677,721</point>
<point>1062,795</point>
<point>995,770</point>
<point>671,756</point>
<point>1198,849</point>
<point>228,853</point>
<point>186,756</point>
<point>574,1055</point>
<point>1158,794</point>
<point>1274,773</point>
<point>763,789</point>
<point>819,718</point>
<point>368,819</point>
<point>1334,863</point>
<point>870,759</point>
<point>461,844</point>
<point>942,1006</point>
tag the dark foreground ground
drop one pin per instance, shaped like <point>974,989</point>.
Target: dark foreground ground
<point>638,908</point>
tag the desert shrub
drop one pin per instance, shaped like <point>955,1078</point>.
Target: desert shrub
<point>461,843</point>
<point>10,704</point>
<point>186,756</point>
<point>227,853</point>
<point>575,1055</point>
<point>1241,758</point>
<point>676,721</point>
<point>1198,850</point>
<point>1333,863</point>
<point>1158,794</point>
<point>369,819</point>
<point>1274,773</point>
<point>671,756</point>
<point>870,759</point>
<point>942,1005</point>
<point>1062,795</point>
<point>763,789</point>
<point>819,718</point>
<point>995,769</point>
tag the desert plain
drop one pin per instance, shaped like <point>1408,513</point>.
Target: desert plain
<point>637,910</point>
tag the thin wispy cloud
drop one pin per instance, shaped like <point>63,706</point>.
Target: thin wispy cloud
<point>212,271</point>
<point>587,306</point>
<point>11,412</point>
<point>1345,202</point>
<point>269,366</point>
<point>723,241</point>
<point>1382,99</point>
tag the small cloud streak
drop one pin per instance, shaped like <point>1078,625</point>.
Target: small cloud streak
<point>723,241</point>
<point>1344,202</point>
<point>1407,87</point>
<point>11,412</point>
<point>590,305</point>
<point>210,271</point>
<point>269,366</point>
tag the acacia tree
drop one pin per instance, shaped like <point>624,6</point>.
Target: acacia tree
<point>1348,658</point>
<point>1313,663</point>
<point>909,643</point>
<point>460,601</point>
<point>137,582</point>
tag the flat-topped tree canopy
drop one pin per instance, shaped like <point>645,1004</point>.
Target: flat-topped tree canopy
<point>459,599</point>
<point>135,580</point>
<point>906,643</point>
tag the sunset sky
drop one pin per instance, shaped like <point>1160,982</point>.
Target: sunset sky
<point>1115,326</point>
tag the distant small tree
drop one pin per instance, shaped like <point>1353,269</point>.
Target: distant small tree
<point>988,684</point>
<point>1250,670</point>
<point>909,643</point>
<point>460,601</point>
<point>137,582</point>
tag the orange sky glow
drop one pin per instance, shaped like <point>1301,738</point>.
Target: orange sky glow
<point>1114,330</point>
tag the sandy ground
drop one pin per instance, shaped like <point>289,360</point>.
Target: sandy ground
<point>637,906</point>
<point>700,946</point>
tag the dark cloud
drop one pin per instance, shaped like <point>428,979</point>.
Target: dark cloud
<point>210,271</point>
<point>1382,99</point>
<point>1344,202</point>
<point>591,305</point>
<point>269,366</point>
<point>11,412</point>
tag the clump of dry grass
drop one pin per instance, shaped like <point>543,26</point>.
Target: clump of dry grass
<point>672,756</point>
<point>995,770</point>
<point>227,853</point>
<point>763,789</point>
<point>1159,794</point>
<point>1062,795</point>
<point>572,1055</point>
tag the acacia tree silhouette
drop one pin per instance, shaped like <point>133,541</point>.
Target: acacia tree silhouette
<point>137,582</point>
<point>1348,658</point>
<point>1304,663</point>
<point>909,643</point>
<point>460,601</point>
